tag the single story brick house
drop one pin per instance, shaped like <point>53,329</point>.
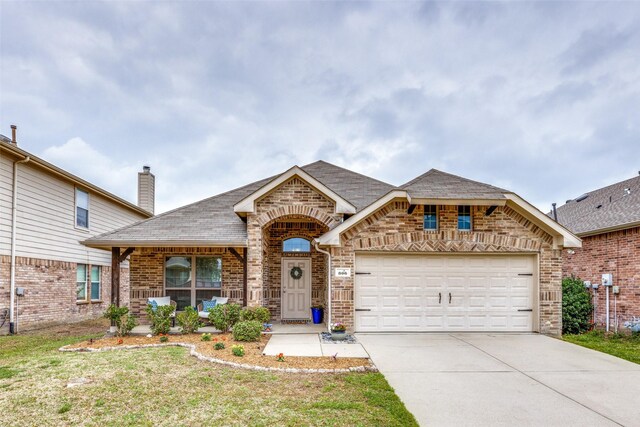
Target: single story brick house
<point>608,222</point>
<point>439,253</point>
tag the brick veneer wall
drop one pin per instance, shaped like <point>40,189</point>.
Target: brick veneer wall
<point>50,293</point>
<point>275,234</point>
<point>147,274</point>
<point>293,200</point>
<point>617,253</point>
<point>392,228</point>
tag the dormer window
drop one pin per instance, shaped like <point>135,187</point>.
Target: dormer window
<point>296,244</point>
<point>430,217</point>
<point>464,218</point>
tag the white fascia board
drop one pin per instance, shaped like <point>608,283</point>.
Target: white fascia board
<point>108,244</point>
<point>332,237</point>
<point>459,202</point>
<point>562,236</point>
<point>248,204</point>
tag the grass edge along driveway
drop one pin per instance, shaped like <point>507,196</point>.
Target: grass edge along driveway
<point>623,346</point>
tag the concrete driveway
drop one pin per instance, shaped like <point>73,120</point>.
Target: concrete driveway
<point>506,380</point>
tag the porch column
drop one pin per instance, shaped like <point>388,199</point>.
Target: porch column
<point>254,263</point>
<point>116,260</point>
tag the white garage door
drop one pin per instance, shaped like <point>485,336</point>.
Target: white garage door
<point>403,292</point>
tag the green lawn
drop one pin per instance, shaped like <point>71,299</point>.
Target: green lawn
<point>622,346</point>
<point>166,386</point>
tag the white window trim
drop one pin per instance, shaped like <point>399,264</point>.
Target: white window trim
<point>86,295</point>
<point>90,284</point>
<point>191,288</point>
<point>75,209</point>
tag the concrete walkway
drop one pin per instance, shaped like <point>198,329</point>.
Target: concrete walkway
<point>506,380</point>
<point>310,345</point>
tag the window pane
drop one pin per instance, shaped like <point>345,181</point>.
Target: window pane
<point>95,282</point>
<point>82,199</point>
<point>206,294</point>
<point>178,272</point>
<point>208,272</point>
<point>82,217</point>
<point>430,217</point>
<point>81,282</point>
<point>182,297</point>
<point>296,244</point>
<point>464,217</point>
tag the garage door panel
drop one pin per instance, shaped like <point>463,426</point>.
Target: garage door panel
<point>411,293</point>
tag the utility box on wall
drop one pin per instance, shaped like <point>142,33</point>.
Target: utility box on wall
<point>607,279</point>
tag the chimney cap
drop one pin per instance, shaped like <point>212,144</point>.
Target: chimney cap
<point>146,169</point>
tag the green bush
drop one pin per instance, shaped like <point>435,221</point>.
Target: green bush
<point>237,350</point>
<point>160,318</point>
<point>260,314</point>
<point>164,338</point>
<point>577,309</point>
<point>224,316</point>
<point>121,318</point>
<point>206,337</point>
<point>247,331</point>
<point>218,346</point>
<point>189,320</point>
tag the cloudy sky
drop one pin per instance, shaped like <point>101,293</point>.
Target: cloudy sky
<point>541,98</point>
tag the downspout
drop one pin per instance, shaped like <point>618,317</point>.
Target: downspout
<point>328,254</point>
<point>14,214</point>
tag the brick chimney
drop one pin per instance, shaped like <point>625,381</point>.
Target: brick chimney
<point>146,189</point>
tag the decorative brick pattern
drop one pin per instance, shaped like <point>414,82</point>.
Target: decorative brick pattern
<point>617,253</point>
<point>50,293</point>
<point>147,274</point>
<point>392,228</point>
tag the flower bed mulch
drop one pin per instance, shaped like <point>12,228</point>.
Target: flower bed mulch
<point>253,358</point>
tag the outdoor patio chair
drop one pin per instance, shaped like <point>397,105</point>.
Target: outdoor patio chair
<point>204,314</point>
<point>161,301</point>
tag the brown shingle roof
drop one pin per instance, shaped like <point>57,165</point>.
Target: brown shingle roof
<point>436,184</point>
<point>605,208</point>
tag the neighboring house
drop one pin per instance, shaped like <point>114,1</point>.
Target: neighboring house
<point>440,253</point>
<point>44,214</point>
<point>608,221</point>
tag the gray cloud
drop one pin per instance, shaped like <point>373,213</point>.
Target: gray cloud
<point>535,97</point>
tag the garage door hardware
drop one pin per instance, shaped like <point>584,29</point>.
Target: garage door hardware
<point>363,309</point>
<point>525,274</point>
<point>439,297</point>
<point>525,309</point>
<point>362,272</point>
<point>449,297</point>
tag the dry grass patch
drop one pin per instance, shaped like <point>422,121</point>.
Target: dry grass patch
<point>166,386</point>
<point>253,351</point>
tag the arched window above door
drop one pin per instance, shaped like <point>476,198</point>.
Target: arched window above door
<point>296,244</point>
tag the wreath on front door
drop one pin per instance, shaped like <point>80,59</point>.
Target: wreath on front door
<point>296,273</point>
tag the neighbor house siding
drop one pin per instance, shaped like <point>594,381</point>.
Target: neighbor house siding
<point>617,253</point>
<point>393,229</point>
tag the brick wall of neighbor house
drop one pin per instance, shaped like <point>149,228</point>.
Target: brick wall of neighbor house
<point>617,253</point>
<point>50,293</point>
<point>147,274</point>
<point>293,200</point>
<point>274,236</point>
<point>393,229</point>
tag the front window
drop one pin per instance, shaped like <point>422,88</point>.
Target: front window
<point>188,290</point>
<point>430,217</point>
<point>296,244</point>
<point>95,283</point>
<point>81,282</point>
<point>82,208</point>
<point>464,218</point>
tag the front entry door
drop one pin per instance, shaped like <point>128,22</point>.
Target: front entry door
<point>296,291</point>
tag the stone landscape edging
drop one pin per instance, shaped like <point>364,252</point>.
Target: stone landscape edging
<point>193,352</point>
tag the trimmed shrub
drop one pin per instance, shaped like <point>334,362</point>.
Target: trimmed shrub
<point>120,316</point>
<point>247,331</point>
<point>577,308</point>
<point>260,314</point>
<point>160,318</point>
<point>218,346</point>
<point>237,350</point>
<point>224,316</point>
<point>206,337</point>
<point>189,320</point>
<point>164,338</point>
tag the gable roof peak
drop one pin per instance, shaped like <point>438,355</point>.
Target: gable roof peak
<point>436,184</point>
